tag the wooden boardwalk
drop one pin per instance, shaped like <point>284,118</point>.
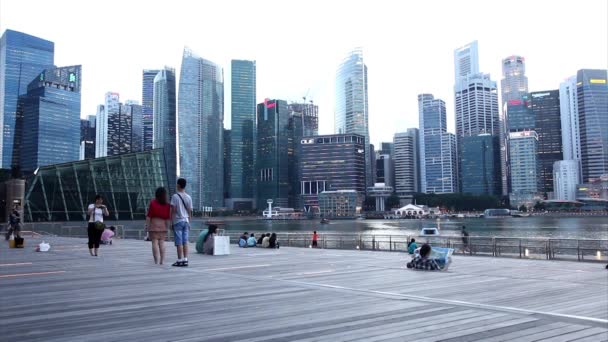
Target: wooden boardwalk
<point>292,295</point>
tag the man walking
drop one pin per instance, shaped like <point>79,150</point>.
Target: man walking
<point>181,213</point>
<point>465,240</point>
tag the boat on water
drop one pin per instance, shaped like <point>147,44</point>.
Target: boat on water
<point>324,221</point>
<point>496,213</point>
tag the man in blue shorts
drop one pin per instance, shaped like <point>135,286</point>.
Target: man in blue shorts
<point>181,213</point>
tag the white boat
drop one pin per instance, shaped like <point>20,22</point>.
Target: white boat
<point>431,231</point>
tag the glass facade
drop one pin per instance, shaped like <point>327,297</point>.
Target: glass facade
<point>351,110</point>
<point>127,182</point>
<point>22,58</point>
<point>330,163</point>
<point>201,130</point>
<point>523,151</point>
<point>341,204</point>
<point>545,107</point>
<point>87,137</point>
<point>137,128</point>
<point>592,95</point>
<point>519,115</point>
<point>51,116</point>
<point>165,121</point>
<point>481,165</point>
<point>309,116</point>
<point>272,156</point>
<point>147,100</point>
<point>243,130</point>
<point>406,162</point>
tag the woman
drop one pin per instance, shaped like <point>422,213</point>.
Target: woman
<point>266,241</point>
<point>412,246</point>
<point>209,240</point>
<point>272,242</point>
<point>158,221</point>
<point>96,213</point>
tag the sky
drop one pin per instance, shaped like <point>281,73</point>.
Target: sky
<point>297,45</point>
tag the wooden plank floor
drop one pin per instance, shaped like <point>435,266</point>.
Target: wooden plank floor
<point>292,295</point>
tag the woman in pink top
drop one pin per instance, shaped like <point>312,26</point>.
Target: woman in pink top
<point>158,221</point>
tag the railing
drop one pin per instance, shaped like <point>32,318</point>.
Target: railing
<point>513,247</point>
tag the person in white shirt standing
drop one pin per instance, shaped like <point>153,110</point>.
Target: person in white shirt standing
<point>95,228</point>
<point>181,213</point>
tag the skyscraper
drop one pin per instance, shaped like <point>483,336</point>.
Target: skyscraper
<point>51,113</point>
<point>514,87</point>
<point>523,154</point>
<point>571,142</point>
<point>330,163</point>
<point>147,99</point>
<point>565,179</point>
<point>407,162</point>
<point>437,147</point>
<point>137,125</point>
<point>87,137</point>
<point>309,116</point>
<point>476,99</point>
<point>242,135</point>
<point>272,156</point>
<point>165,121</point>
<point>110,109</point>
<point>592,98</point>
<point>545,109</point>
<point>351,111</point>
<point>201,128</point>
<point>22,58</point>
<point>481,165</point>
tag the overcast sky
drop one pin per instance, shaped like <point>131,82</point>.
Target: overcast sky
<point>408,45</point>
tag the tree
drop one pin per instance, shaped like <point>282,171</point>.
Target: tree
<point>523,208</point>
<point>392,201</point>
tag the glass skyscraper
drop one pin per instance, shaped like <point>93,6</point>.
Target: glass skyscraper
<point>545,109</point>
<point>351,111</point>
<point>242,135</point>
<point>481,165</point>
<point>523,154</point>
<point>520,115</point>
<point>22,58</point>
<point>406,157</point>
<point>51,118</point>
<point>200,129</point>
<point>87,137</point>
<point>147,99</point>
<point>437,147</point>
<point>165,121</point>
<point>272,156</point>
<point>592,96</point>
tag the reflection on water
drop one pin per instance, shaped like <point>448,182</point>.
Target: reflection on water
<point>546,227</point>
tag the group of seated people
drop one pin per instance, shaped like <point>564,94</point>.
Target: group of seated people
<point>264,240</point>
<point>424,260</point>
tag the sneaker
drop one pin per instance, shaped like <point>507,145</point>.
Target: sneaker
<point>178,264</point>
<point>185,263</point>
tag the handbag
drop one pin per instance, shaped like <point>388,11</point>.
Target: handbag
<point>100,225</point>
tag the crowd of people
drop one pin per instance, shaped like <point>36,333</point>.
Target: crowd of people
<point>267,240</point>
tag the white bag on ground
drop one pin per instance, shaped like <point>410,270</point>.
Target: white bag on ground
<point>221,245</point>
<point>44,247</point>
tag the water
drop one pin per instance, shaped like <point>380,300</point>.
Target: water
<point>525,227</point>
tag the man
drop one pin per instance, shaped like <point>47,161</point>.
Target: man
<point>243,240</point>
<point>181,213</point>
<point>465,239</point>
<point>14,222</point>
<point>251,242</point>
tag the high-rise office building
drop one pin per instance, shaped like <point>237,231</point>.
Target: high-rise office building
<point>242,135</point>
<point>351,111</point>
<point>592,98</point>
<point>514,86</point>
<point>330,163</point>
<point>406,147</point>
<point>227,163</point>
<point>137,125</point>
<point>571,143</point>
<point>385,169</point>
<point>87,137</point>
<point>200,129</point>
<point>110,107</point>
<point>437,147</point>
<point>147,100</point>
<point>565,178</point>
<point>272,155</point>
<point>520,115</point>
<point>125,130</point>
<point>309,114</point>
<point>481,165</point>
<point>466,60</point>
<point>164,121</point>
<point>523,154</point>
<point>545,109</point>
<point>22,58</point>
<point>51,114</point>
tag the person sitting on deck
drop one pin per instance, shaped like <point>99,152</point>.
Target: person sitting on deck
<point>106,236</point>
<point>412,246</point>
<point>209,240</point>
<point>261,239</point>
<point>266,241</point>
<point>272,242</point>
<point>243,240</point>
<point>422,261</point>
<point>251,242</point>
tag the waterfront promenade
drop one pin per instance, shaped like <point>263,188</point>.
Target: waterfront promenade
<point>292,294</point>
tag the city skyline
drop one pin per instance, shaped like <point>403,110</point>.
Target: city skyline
<point>293,71</point>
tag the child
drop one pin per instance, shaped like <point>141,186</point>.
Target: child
<point>106,236</point>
